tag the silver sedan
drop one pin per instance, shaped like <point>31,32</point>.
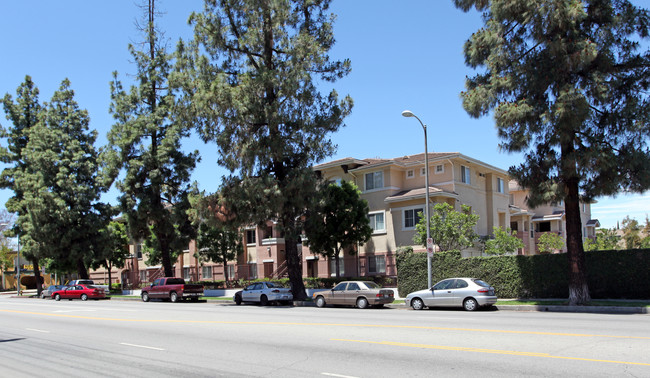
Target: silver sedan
<point>264,293</point>
<point>468,293</point>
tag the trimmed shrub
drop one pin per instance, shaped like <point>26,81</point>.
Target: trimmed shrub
<point>610,274</point>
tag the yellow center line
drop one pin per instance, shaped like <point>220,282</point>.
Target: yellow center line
<point>327,325</point>
<point>492,351</point>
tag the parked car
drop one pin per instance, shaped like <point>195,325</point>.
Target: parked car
<point>106,288</point>
<point>468,293</point>
<point>83,292</point>
<point>355,293</point>
<point>171,288</point>
<point>48,291</point>
<point>264,293</point>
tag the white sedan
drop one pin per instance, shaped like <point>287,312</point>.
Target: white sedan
<point>264,293</point>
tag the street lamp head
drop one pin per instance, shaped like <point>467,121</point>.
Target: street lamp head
<point>408,113</point>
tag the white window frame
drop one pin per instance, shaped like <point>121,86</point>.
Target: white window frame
<point>365,180</point>
<point>410,208</point>
<point>410,174</point>
<point>423,172</point>
<point>465,175</point>
<point>333,267</point>
<point>378,231</point>
<point>378,268</point>
<point>206,269</point>
<point>442,169</point>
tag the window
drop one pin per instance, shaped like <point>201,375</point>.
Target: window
<point>410,174</point>
<point>206,272</point>
<point>423,172</point>
<point>412,217</point>
<point>464,175</point>
<point>138,251</point>
<point>500,186</point>
<point>186,273</point>
<point>250,236</point>
<point>268,232</point>
<point>143,276</point>
<point>231,272</point>
<point>544,226</point>
<point>376,264</point>
<point>340,287</point>
<point>374,180</point>
<point>440,168</point>
<point>252,268</point>
<point>353,286</point>
<point>377,222</point>
<point>333,267</point>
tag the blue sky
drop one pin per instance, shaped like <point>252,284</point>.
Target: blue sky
<point>405,55</point>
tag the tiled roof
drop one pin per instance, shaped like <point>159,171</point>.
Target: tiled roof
<point>418,193</point>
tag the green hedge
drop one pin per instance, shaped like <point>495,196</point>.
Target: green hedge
<point>610,274</point>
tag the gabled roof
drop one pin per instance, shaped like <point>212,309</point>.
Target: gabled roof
<point>419,193</point>
<point>556,215</point>
<point>593,223</point>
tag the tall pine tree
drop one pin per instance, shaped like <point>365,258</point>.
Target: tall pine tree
<point>252,89</point>
<point>145,142</point>
<point>57,189</point>
<point>567,81</point>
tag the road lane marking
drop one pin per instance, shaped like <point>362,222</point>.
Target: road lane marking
<point>141,346</point>
<point>37,330</point>
<point>491,351</point>
<point>329,325</point>
<point>337,375</point>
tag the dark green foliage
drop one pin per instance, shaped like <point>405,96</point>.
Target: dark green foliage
<point>567,83</point>
<point>113,249</point>
<point>218,244</point>
<point>250,81</point>
<point>612,274</point>
<point>338,221</point>
<point>145,142</point>
<point>54,178</point>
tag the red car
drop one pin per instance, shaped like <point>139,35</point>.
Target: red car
<point>82,292</point>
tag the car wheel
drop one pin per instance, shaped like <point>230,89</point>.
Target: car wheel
<point>264,301</point>
<point>417,304</point>
<point>470,304</point>
<point>173,297</point>
<point>57,297</point>
<point>145,297</point>
<point>362,303</point>
<point>195,299</point>
<point>237,299</point>
<point>43,295</point>
<point>84,297</point>
<point>320,302</point>
<point>379,306</point>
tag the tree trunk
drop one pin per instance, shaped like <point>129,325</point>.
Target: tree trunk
<point>225,270</point>
<point>37,275</point>
<point>578,288</point>
<point>294,265</point>
<point>81,269</point>
<point>338,270</point>
<point>166,261</point>
<point>110,278</point>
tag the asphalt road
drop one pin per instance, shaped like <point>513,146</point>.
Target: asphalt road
<point>159,339</point>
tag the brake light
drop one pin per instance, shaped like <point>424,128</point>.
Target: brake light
<point>379,295</point>
<point>275,291</point>
<point>483,290</point>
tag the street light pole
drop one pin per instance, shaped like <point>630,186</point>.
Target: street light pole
<point>408,113</point>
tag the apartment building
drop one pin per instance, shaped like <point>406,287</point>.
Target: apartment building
<point>395,192</point>
<point>531,223</point>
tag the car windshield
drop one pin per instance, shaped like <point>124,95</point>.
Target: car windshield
<point>175,281</point>
<point>481,283</point>
<point>372,285</point>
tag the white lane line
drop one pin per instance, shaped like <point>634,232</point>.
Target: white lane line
<point>337,375</point>
<point>141,346</point>
<point>37,330</point>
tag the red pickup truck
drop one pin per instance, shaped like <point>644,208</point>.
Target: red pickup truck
<point>171,288</point>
